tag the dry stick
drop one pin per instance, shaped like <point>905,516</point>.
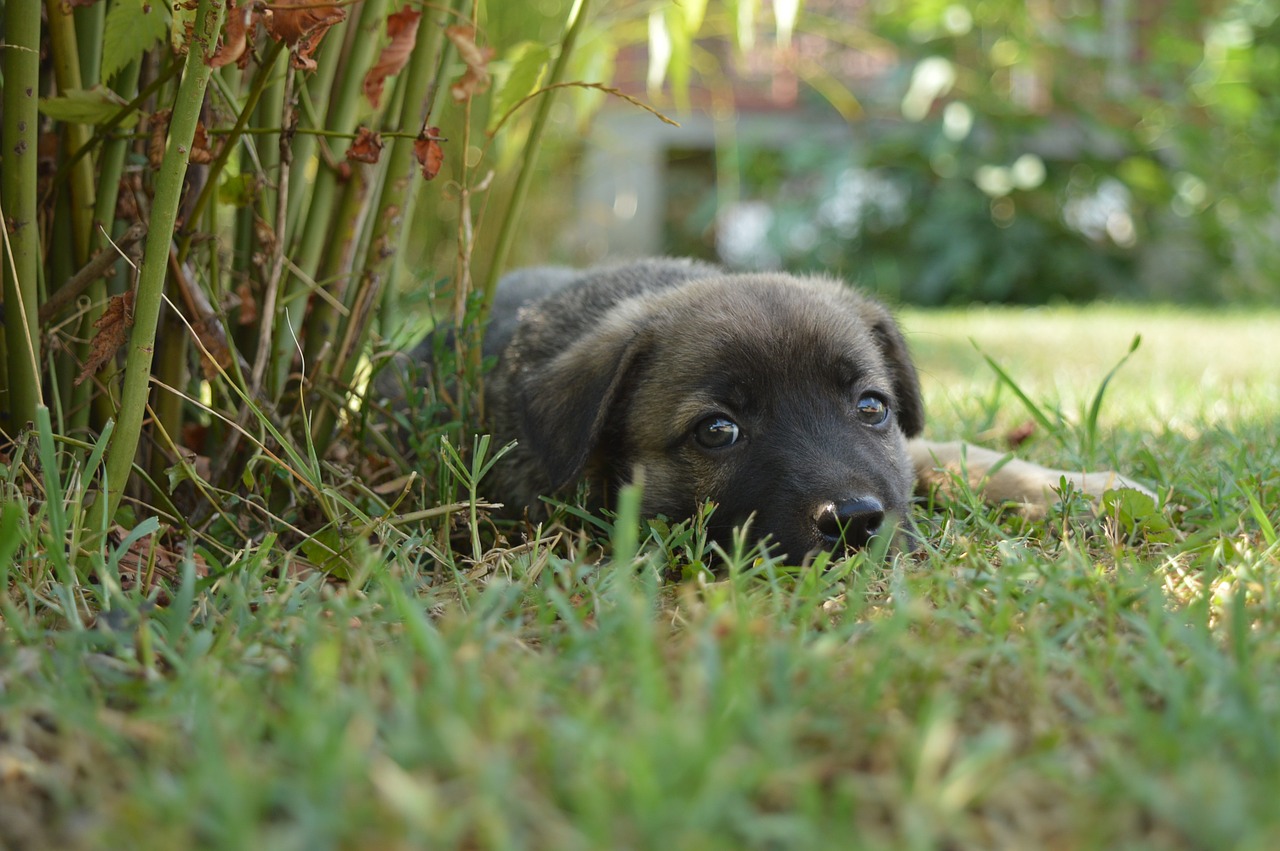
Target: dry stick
<point>164,215</point>
<point>91,271</point>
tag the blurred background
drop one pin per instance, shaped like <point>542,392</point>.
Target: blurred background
<point>937,152</point>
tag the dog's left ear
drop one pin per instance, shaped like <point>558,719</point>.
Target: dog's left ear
<point>565,405</point>
<point>906,384</point>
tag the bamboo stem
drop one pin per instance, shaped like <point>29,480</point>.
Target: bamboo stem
<point>164,214</point>
<point>21,260</point>
<point>529,158</point>
<point>395,207</point>
<point>323,224</point>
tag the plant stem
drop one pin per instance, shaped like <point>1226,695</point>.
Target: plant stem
<point>21,260</point>
<point>528,159</point>
<point>164,214</point>
<point>316,193</point>
<point>66,66</point>
<point>395,207</point>
<point>333,228</point>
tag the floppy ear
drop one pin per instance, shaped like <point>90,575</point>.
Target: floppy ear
<point>906,384</point>
<point>565,404</point>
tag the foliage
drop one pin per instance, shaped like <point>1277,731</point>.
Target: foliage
<point>1178,113</point>
<point>1033,152</point>
<point>884,218</point>
<point>204,222</point>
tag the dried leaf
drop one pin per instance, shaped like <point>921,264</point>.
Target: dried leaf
<point>301,24</point>
<point>427,150</point>
<point>475,80</point>
<point>148,560</point>
<point>402,27</point>
<point>1021,434</point>
<point>214,341</point>
<point>113,329</point>
<point>159,125</point>
<point>234,42</point>
<point>248,314</point>
<point>200,153</point>
<point>366,147</point>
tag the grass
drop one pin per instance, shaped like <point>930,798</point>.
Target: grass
<point>1068,683</point>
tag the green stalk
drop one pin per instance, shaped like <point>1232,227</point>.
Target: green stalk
<point>270,108</point>
<point>395,207</point>
<point>82,186</point>
<point>320,211</point>
<point>529,157</point>
<point>311,89</point>
<point>66,67</point>
<point>90,21</point>
<point>110,169</point>
<point>339,257</point>
<point>164,214</point>
<point>21,257</point>
<point>231,142</point>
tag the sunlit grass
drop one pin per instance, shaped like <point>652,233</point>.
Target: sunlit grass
<point>1194,367</point>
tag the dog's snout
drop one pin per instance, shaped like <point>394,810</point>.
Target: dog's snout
<point>851,522</point>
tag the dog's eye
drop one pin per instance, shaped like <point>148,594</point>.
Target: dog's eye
<point>872,409</point>
<point>716,432</point>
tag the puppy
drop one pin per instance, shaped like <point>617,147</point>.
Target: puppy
<point>791,403</point>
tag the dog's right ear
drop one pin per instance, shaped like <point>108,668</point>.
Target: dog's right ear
<point>565,404</point>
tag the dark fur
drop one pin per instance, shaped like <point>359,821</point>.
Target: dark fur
<point>602,375</point>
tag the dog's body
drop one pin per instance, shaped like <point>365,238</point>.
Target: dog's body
<point>791,403</point>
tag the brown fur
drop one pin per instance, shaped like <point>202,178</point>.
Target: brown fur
<point>605,375</point>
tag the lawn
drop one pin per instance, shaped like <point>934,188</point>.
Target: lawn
<point>1089,680</point>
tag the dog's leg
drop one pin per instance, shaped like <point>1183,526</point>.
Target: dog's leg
<point>1000,478</point>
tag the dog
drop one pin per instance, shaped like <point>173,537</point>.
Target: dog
<point>790,403</point>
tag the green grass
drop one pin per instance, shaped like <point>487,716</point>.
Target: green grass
<point>1070,683</point>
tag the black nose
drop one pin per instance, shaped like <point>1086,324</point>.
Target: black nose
<point>851,522</point>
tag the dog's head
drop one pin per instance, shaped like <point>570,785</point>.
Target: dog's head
<point>786,402</point>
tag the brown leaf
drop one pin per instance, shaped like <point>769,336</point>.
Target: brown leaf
<point>113,329</point>
<point>427,150</point>
<point>1021,434</point>
<point>148,560</point>
<point>234,40</point>
<point>200,152</point>
<point>159,122</point>
<point>301,24</point>
<point>402,26</point>
<point>214,340</point>
<point>248,314</point>
<point>475,80</point>
<point>366,147</point>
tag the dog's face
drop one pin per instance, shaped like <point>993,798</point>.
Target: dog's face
<point>784,402</point>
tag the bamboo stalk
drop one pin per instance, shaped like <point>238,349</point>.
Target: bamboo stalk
<point>395,207</point>
<point>164,214</point>
<point>529,157</point>
<point>323,222</point>
<point>21,260</point>
<point>231,141</point>
<point>66,67</point>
